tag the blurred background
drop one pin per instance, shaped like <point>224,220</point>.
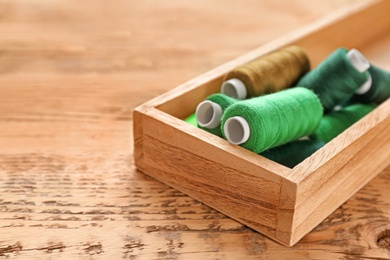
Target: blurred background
<point>91,60</point>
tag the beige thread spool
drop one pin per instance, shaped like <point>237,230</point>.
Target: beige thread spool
<point>267,74</point>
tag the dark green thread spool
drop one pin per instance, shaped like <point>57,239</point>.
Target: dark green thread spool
<point>379,90</point>
<point>209,112</point>
<point>336,122</point>
<point>293,153</point>
<point>338,77</point>
<point>267,121</point>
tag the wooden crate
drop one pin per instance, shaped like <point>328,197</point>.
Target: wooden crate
<point>281,203</point>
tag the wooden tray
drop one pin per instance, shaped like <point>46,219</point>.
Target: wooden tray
<point>281,203</point>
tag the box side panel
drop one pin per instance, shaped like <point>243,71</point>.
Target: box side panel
<point>328,187</point>
<point>233,185</point>
<point>221,191</point>
<point>138,137</point>
<point>286,210</point>
<point>197,90</point>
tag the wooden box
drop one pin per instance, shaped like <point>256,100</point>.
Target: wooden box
<point>281,203</point>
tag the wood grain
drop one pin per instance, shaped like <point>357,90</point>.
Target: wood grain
<point>71,73</point>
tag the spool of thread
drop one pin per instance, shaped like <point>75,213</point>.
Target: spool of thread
<point>293,153</point>
<point>209,112</point>
<point>336,122</point>
<point>267,121</point>
<point>338,77</point>
<point>267,74</point>
<point>380,87</point>
<point>191,120</point>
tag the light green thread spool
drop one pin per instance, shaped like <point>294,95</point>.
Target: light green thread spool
<point>338,77</point>
<point>379,90</point>
<point>336,122</point>
<point>209,112</point>
<point>191,120</point>
<point>264,122</point>
<point>293,153</point>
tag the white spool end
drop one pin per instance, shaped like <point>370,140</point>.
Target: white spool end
<point>234,88</point>
<point>358,60</point>
<point>365,87</point>
<point>208,114</point>
<point>237,130</point>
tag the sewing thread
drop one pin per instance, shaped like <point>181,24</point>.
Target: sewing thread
<point>380,87</point>
<point>336,78</point>
<point>293,153</point>
<point>209,112</point>
<point>336,122</point>
<point>191,119</point>
<point>267,74</point>
<point>267,121</point>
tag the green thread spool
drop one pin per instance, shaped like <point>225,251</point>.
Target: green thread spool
<point>336,78</point>
<point>380,87</point>
<point>191,120</point>
<point>209,112</point>
<point>267,74</point>
<point>267,121</point>
<point>336,122</point>
<point>293,153</point>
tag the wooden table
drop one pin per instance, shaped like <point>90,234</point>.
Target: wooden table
<point>71,73</point>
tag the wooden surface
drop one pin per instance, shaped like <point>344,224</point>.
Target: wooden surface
<point>71,74</point>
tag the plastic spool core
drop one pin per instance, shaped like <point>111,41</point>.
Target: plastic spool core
<point>365,87</point>
<point>361,64</point>
<point>234,88</point>
<point>358,60</point>
<point>208,114</point>
<point>237,130</point>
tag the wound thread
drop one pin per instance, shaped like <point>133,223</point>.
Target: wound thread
<point>380,87</point>
<point>267,74</point>
<point>209,112</point>
<point>273,119</point>
<point>293,153</point>
<point>336,79</point>
<point>336,122</point>
<point>191,119</point>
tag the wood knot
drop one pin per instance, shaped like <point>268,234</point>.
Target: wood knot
<point>383,239</point>
<point>378,236</point>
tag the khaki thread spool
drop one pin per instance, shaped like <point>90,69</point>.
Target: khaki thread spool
<point>267,74</point>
